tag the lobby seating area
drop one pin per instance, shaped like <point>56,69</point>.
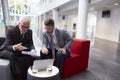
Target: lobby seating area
<point>104,62</point>
<point>94,26</point>
<point>76,63</point>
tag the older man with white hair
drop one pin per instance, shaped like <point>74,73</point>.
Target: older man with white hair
<point>18,39</point>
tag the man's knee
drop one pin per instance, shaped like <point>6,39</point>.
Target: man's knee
<point>59,54</point>
<point>7,54</point>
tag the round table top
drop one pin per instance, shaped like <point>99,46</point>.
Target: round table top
<point>44,74</point>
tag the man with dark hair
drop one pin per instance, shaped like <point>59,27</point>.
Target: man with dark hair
<point>49,22</point>
<point>17,40</point>
<point>56,43</point>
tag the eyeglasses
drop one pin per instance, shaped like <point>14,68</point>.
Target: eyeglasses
<point>26,27</point>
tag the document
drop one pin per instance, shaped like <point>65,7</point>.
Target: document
<point>32,52</point>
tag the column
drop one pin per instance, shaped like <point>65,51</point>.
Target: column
<point>5,8</point>
<point>43,20</point>
<point>40,26</point>
<point>37,25</point>
<point>82,19</point>
<point>55,17</point>
<point>15,12</point>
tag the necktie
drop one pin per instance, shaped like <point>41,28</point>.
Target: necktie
<point>22,35</point>
<point>52,46</point>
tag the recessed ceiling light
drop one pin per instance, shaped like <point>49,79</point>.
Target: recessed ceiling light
<point>116,4</point>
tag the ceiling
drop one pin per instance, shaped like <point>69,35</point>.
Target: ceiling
<point>104,5</point>
<point>72,6</point>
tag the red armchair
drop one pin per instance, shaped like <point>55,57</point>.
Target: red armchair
<point>79,58</point>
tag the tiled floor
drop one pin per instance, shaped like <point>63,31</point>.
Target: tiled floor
<point>104,61</point>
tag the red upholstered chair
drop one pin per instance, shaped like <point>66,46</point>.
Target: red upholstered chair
<point>79,58</point>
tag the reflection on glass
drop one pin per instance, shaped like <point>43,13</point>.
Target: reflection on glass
<point>21,8</point>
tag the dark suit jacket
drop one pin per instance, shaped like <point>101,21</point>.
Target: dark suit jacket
<point>14,37</point>
<point>63,39</point>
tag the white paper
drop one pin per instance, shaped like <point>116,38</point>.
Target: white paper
<point>32,53</point>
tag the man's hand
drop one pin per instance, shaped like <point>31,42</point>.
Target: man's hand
<point>44,50</point>
<point>19,47</point>
<point>33,53</point>
<point>63,50</point>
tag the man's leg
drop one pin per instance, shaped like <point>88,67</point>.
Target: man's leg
<point>60,59</point>
<point>24,62</point>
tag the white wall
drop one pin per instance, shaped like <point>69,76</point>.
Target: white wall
<point>91,25</point>
<point>70,19</point>
<point>108,28</point>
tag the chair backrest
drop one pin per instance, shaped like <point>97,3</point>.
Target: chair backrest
<point>2,39</point>
<point>79,46</point>
<point>9,27</point>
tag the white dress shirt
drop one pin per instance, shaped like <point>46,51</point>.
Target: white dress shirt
<point>54,39</point>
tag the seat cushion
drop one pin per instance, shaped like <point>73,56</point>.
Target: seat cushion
<point>72,65</point>
<point>5,72</point>
<point>4,62</point>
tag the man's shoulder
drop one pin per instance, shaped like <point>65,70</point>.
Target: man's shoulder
<point>29,30</point>
<point>44,33</point>
<point>60,30</point>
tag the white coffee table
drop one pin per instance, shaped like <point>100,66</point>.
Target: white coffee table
<point>44,75</point>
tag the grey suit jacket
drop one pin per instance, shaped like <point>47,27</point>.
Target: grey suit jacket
<point>62,36</point>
